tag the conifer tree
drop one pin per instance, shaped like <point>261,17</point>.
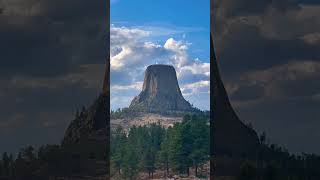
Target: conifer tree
<point>130,162</point>
<point>163,154</point>
<point>118,143</point>
<point>6,164</point>
<point>149,161</point>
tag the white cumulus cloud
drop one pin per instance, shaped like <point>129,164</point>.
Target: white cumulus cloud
<point>133,49</point>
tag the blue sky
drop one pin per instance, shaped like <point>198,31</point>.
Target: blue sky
<point>186,15</point>
<point>145,32</point>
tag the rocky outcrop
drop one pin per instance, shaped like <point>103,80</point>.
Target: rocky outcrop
<point>160,92</point>
<point>92,124</point>
<point>229,135</point>
<point>87,138</point>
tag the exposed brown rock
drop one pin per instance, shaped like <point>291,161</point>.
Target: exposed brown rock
<point>142,119</point>
<point>161,92</point>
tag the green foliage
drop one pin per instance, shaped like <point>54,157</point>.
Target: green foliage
<point>130,162</point>
<point>125,112</point>
<point>6,165</point>
<point>147,148</point>
<point>247,171</point>
<point>274,163</point>
<point>118,140</point>
<point>271,172</point>
<point>46,162</point>
<point>120,113</point>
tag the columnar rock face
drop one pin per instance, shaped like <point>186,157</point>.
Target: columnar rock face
<point>160,92</point>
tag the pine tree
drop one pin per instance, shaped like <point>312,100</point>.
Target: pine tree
<point>6,164</point>
<point>118,144</point>
<point>271,172</point>
<point>175,148</point>
<point>1,167</point>
<point>28,153</point>
<point>20,166</point>
<point>163,154</point>
<point>247,171</point>
<point>130,168</point>
<point>11,165</point>
<point>149,161</point>
<point>200,132</point>
<point>186,147</point>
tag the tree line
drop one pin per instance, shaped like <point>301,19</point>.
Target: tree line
<point>127,112</point>
<point>32,164</point>
<point>46,162</point>
<point>274,162</point>
<point>149,148</point>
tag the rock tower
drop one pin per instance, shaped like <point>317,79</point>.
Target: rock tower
<point>160,92</point>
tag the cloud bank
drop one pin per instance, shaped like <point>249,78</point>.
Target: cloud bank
<point>269,55</point>
<point>53,55</point>
<point>133,49</point>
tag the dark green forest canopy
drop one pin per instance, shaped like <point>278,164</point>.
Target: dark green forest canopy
<point>152,147</point>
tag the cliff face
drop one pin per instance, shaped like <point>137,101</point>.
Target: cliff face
<point>92,123</point>
<point>229,135</point>
<point>160,92</point>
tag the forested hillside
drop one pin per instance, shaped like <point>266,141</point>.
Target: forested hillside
<point>152,148</point>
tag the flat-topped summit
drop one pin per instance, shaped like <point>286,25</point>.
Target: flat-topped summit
<point>160,92</point>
